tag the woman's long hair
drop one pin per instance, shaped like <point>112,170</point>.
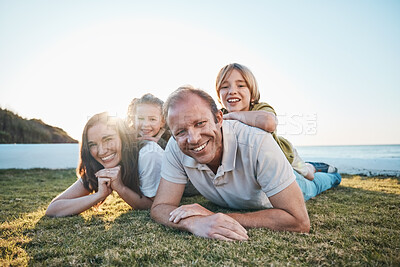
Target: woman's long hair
<point>130,147</point>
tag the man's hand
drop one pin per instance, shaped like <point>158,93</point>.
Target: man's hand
<point>217,226</point>
<point>186,211</point>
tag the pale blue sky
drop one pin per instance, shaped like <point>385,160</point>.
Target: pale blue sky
<point>329,68</point>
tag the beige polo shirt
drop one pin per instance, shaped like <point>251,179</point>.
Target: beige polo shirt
<point>253,168</point>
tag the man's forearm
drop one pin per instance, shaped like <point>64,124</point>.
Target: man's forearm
<point>161,214</point>
<point>275,219</point>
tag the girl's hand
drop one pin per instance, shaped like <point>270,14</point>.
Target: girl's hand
<point>104,187</point>
<point>114,174</point>
<point>153,138</point>
<point>186,211</point>
<point>231,116</point>
<point>149,138</point>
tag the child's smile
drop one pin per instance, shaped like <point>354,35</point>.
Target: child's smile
<point>234,93</point>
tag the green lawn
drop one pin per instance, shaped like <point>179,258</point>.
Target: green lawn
<point>354,224</point>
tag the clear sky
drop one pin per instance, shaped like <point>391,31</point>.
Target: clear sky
<point>331,69</point>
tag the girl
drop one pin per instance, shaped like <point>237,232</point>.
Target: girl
<point>238,93</point>
<point>145,118</point>
<point>110,160</point>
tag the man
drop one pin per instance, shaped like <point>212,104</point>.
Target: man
<point>232,165</point>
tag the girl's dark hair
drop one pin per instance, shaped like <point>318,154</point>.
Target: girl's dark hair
<point>130,147</point>
<point>145,99</point>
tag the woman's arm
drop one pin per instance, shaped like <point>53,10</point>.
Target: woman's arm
<point>261,119</point>
<point>127,194</point>
<point>77,199</point>
<point>133,199</point>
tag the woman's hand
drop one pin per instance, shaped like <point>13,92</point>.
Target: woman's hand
<point>114,176</point>
<point>104,187</point>
<point>186,211</point>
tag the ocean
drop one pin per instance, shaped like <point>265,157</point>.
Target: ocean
<point>365,160</point>
<point>27,156</point>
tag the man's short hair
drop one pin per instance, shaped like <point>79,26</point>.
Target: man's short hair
<point>183,93</point>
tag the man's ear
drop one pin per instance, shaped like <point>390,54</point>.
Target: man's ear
<point>220,118</point>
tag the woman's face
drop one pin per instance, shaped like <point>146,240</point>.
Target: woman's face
<point>234,93</point>
<point>105,144</point>
<point>148,120</point>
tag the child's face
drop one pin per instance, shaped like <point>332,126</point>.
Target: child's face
<point>234,93</point>
<point>148,119</point>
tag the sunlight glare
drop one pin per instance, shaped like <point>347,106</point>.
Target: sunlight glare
<point>104,66</point>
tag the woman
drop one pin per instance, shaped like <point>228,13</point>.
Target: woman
<point>110,160</point>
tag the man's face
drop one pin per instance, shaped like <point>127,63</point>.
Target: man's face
<point>195,130</point>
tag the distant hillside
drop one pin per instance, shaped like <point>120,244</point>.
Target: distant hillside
<point>14,129</point>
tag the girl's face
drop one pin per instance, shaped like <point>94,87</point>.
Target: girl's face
<point>104,145</point>
<point>148,120</point>
<point>234,93</point>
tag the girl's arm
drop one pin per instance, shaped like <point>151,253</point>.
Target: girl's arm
<point>153,138</point>
<point>77,199</point>
<point>261,119</point>
<point>127,194</point>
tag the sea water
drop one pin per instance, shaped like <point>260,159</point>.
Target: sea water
<point>27,156</point>
<point>366,160</point>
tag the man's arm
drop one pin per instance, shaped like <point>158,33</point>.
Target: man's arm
<point>168,197</point>
<point>289,213</point>
<point>218,226</point>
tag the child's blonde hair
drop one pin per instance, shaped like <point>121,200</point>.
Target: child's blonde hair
<point>247,76</point>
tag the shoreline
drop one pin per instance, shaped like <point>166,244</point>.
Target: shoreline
<point>343,174</point>
<point>363,160</point>
<point>363,173</point>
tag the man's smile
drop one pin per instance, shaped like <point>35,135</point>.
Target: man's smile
<point>200,148</point>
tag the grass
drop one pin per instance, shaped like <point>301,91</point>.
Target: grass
<point>354,224</point>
